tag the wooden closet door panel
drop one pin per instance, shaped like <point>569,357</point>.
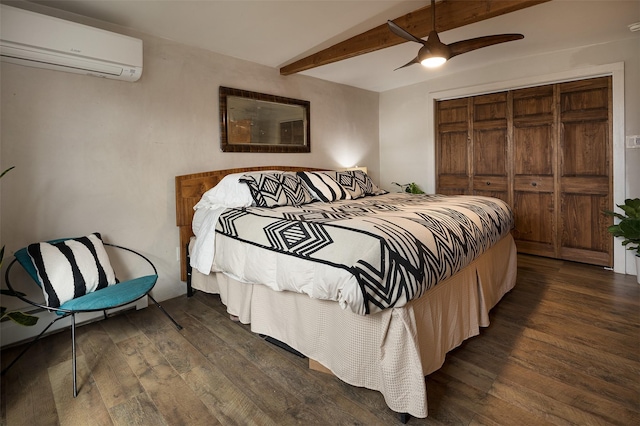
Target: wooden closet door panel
<point>491,186</point>
<point>533,170</point>
<point>491,108</point>
<point>453,154</point>
<point>490,146</point>
<point>533,103</point>
<point>583,152</point>
<point>534,149</point>
<point>490,152</point>
<point>452,147</point>
<point>533,131</point>
<point>534,231</point>
<point>452,115</point>
<point>582,97</point>
<point>585,171</point>
<point>584,236</point>
<point>453,177</point>
<point>534,188</point>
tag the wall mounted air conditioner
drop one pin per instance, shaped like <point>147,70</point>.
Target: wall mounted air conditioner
<point>35,40</point>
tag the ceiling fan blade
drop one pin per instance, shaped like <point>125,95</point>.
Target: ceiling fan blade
<point>401,32</point>
<point>465,46</point>
<point>413,61</point>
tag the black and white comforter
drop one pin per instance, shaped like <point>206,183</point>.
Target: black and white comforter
<point>386,249</point>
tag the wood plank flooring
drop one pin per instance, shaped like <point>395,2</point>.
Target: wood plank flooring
<point>563,348</point>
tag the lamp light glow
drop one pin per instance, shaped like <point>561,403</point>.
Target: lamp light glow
<point>433,61</point>
<point>361,168</point>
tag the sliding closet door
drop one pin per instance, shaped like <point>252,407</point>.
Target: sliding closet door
<point>585,170</point>
<point>545,150</point>
<point>453,150</point>
<point>490,146</point>
<point>534,170</point>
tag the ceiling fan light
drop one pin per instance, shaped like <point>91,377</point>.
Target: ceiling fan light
<point>433,61</point>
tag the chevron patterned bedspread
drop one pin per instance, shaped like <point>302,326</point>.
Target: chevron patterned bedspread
<point>396,246</point>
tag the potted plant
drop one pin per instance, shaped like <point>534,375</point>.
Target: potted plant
<point>411,188</point>
<point>628,228</point>
<point>17,317</point>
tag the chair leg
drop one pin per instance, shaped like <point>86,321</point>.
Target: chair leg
<point>189,273</point>
<point>32,343</point>
<point>178,326</point>
<point>73,352</point>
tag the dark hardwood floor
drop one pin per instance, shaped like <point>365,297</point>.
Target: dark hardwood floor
<point>563,348</point>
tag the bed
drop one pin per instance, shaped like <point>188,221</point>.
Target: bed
<point>382,340</point>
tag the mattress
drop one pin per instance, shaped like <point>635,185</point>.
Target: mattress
<point>368,254</point>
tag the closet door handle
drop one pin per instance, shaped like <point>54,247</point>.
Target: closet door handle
<point>534,184</point>
<point>488,183</point>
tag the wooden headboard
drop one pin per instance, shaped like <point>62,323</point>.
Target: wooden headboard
<point>189,190</point>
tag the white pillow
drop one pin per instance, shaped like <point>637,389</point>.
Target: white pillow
<point>228,193</point>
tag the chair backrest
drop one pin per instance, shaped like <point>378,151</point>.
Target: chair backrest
<point>25,260</point>
<point>68,268</point>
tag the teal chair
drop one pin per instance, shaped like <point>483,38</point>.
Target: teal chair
<point>103,299</point>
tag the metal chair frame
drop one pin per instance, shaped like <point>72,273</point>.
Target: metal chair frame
<point>64,313</point>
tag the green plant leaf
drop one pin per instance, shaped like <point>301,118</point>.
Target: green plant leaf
<point>23,319</point>
<point>618,215</point>
<point>415,189</point>
<point>631,207</point>
<point>630,228</point>
<point>614,230</point>
<point>5,172</point>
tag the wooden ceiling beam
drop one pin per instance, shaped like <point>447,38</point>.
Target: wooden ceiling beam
<point>450,14</point>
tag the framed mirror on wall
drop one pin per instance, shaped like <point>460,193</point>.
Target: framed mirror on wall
<point>257,122</point>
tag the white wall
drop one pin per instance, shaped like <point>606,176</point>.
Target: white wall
<point>93,154</point>
<point>407,150</point>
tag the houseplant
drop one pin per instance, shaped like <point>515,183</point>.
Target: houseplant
<point>17,317</point>
<point>411,188</point>
<point>629,227</point>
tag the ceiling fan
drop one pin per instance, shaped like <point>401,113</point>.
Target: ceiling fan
<point>434,53</point>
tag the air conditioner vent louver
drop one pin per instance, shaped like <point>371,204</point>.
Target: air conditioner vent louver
<point>67,46</point>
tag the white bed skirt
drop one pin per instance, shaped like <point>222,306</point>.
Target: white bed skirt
<point>390,351</point>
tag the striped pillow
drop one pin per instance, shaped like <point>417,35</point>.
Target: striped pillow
<point>349,182</point>
<point>324,187</point>
<point>277,189</point>
<point>71,268</point>
<point>366,184</point>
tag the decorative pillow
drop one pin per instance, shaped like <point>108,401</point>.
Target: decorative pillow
<point>366,184</point>
<point>324,186</point>
<point>229,192</point>
<point>349,182</point>
<point>71,268</point>
<point>277,189</point>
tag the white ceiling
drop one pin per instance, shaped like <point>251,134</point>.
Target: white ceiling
<point>275,33</point>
